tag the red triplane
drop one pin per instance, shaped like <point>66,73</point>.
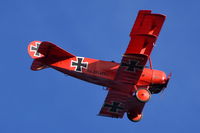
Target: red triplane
<point>129,83</point>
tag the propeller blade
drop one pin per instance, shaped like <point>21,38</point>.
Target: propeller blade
<point>167,81</point>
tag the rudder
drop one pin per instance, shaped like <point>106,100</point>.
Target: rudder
<point>46,53</point>
<point>33,49</point>
<point>33,52</point>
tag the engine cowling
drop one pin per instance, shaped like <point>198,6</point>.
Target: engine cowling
<point>158,77</point>
<point>158,86</point>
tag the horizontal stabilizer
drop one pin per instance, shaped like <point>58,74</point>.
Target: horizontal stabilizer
<point>37,65</point>
<point>50,49</point>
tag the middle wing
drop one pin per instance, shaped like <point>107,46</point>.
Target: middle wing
<point>131,68</point>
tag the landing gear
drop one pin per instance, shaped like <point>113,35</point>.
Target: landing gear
<point>134,117</point>
<point>143,95</point>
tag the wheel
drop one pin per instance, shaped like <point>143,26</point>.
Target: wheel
<point>143,95</point>
<point>134,117</point>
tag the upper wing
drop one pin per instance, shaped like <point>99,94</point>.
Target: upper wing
<point>145,32</point>
<point>143,36</point>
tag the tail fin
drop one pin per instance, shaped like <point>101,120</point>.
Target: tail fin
<point>46,53</point>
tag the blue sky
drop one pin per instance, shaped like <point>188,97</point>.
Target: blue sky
<point>50,102</point>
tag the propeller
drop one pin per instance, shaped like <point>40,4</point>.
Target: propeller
<point>157,88</point>
<point>167,81</point>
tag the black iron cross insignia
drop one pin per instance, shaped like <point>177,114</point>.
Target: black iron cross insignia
<point>35,49</point>
<point>132,65</point>
<point>114,107</point>
<point>79,64</point>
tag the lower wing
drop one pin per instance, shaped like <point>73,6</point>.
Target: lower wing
<point>117,103</point>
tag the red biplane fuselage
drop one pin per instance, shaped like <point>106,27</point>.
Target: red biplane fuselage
<point>130,84</point>
<point>104,72</point>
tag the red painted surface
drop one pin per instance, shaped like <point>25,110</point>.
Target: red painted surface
<point>122,79</point>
